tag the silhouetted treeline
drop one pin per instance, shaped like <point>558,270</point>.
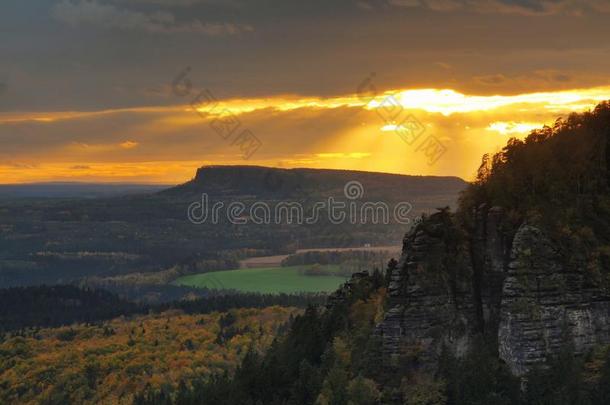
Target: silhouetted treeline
<point>48,306</point>
<point>51,306</point>
<point>228,301</point>
<point>558,178</point>
<point>368,259</point>
<point>151,294</point>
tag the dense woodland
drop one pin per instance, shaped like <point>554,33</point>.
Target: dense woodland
<point>110,361</point>
<point>48,306</point>
<point>23,308</point>
<point>557,179</point>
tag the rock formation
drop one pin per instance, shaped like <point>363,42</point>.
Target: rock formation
<point>546,305</point>
<point>511,285</point>
<point>431,297</point>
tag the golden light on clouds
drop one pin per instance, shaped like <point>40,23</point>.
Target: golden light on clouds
<point>352,155</point>
<point>163,172</point>
<point>443,101</point>
<point>392,128</point>
<point>129,144</point>
<point>513,127</point>
<point>449,102</point>
<point>166,144</point>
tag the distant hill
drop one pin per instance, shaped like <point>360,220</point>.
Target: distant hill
<point>58,240</point>
<point>266,181</point>
<point>74,190</point>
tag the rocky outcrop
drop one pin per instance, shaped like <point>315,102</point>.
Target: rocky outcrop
<point>489,253</point>
<point>448,288</point>
<point>431,301</point>
<point>546,305</point>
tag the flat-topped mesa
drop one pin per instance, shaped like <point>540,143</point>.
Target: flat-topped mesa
<point>259,180</point>
<point>246,180</point>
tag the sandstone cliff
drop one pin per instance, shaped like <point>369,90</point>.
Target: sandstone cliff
<point>510,285</point>
<point>546,304</point>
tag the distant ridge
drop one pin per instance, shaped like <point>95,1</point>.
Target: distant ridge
<point>260,180</point>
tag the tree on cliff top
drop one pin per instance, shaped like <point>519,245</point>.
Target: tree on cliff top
<point>556,178</point>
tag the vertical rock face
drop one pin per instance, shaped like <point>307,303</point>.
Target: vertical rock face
<point>546,305</point>
<point>489,254</point>
<point>431,299</point>
<point>517,288</point>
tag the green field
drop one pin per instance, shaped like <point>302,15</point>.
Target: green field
<point>273,280</point>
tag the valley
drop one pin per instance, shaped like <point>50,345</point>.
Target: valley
<point>132,243</point>
<point>346,202</point>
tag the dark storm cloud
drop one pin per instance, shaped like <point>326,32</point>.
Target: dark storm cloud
<point>63,55</point>
<point>142,135</point>
<point>93,13</point>
<point>523,7</point>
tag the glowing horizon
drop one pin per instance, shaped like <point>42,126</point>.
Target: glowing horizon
<point>444,101</point>
<point>145,150</point>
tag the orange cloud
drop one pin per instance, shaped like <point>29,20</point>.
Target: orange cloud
<point>129,144</point>
<point>166,144</point>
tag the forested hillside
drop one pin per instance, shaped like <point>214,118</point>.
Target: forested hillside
<point>557,178</point>
<point>109,362</point>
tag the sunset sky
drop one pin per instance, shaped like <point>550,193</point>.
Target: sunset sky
<point>149,90</point>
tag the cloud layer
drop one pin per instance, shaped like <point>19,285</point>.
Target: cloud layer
<point>520,7</point>
<point>92,13</point>
<point>85,85</point>
<point>350,132</point>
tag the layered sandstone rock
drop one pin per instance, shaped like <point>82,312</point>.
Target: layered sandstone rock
<point>517,288</point>
<point>547,305</point>
<point>431,302</point>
